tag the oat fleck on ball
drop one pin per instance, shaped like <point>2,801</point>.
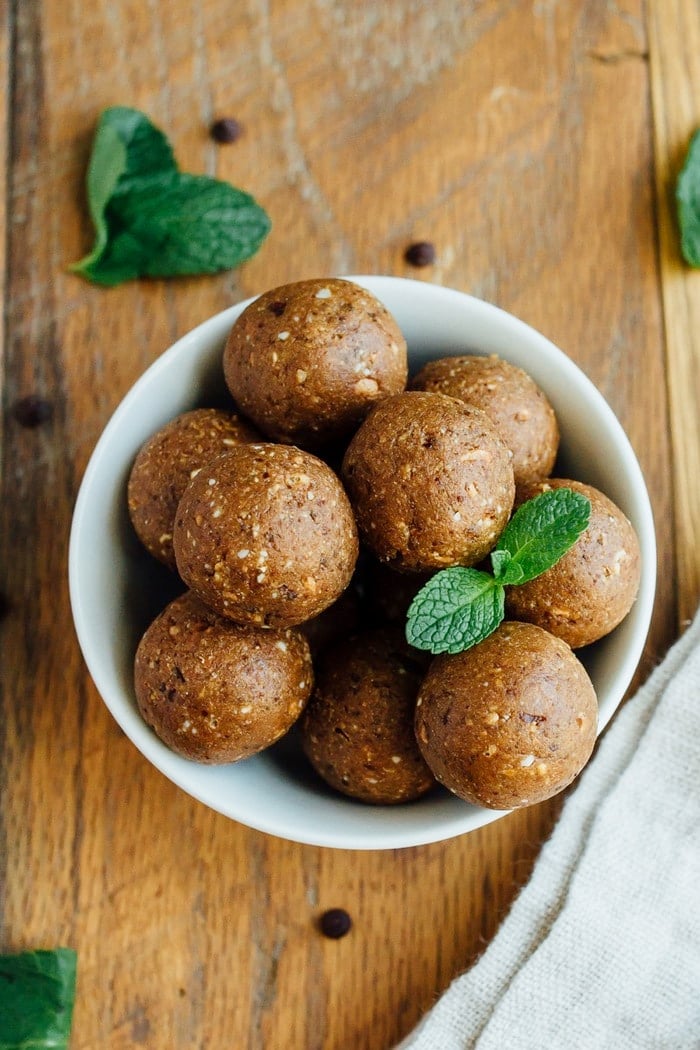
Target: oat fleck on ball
<point>216,691</point>
<point>593,586</point>
<point>307,361</point>
<point>430,480</point>
<point>265,535</point>
<point>358,728</point>
<point>166,464</point>
<point>509,722</point>
<point>510,398</point>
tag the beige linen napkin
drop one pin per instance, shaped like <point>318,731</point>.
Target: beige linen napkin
<point>602,947</point>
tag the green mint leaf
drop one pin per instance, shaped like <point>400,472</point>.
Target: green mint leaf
<point>540,532</point>
<point>499,561</point>
<point>37,992</point>
<point>455,609</point>
<point>688,203</point>
<point>174,224</point>
<point>152,220</point>
<point>126,144</point>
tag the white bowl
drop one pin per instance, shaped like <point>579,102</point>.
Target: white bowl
<point>116,588</point>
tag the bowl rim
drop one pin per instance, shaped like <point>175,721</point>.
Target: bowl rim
<point>111,694</point>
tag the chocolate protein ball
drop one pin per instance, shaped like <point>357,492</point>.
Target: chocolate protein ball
<point>430,480</point>
<point>218,691</point>
<point>308,360</point>
<point>358,728</point>
<point>510,398</point>
<point>166,464</point>
<point>509,722</point>
<point>265,535</point>
<point>594,585</point>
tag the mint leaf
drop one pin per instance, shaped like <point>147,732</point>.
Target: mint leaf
<point>499,561</point>
<point>688,202</point>
<point>460,607</point>
<point>126,144</point>
<point>539,533</point>
<point>37,992</point>
<point>152,220</point>
<point>173,224</point>
<point>454,610</point>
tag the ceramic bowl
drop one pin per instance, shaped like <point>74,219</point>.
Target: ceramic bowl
<point>116,589</point>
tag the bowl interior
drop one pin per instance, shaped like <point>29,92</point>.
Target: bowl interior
<point>116,588</point>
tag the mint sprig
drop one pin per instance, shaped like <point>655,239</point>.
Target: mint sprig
<point>151,220</point>
<point>37,993</point>
<point>458,607</point>
<point>537,535</point>
<point>688,203</point>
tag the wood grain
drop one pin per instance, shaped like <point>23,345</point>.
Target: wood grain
<point>674,50</point>
<point>517,137</point>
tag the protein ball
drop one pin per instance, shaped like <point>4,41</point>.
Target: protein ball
<point>166,464</point>
<point>430,480</point>
<point>509,722</point>
<point>594,585</point>
<point>265,535</point>
<point>217,691</point>
<point>307,361</point>
<point>358,728</point>
<point>510,398</point>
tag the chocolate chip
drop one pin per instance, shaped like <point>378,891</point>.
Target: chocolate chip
<point>32,411</point>
<point>422,253</point>
<point>277,308</point>
<point>335,923</point>
<point>226,130</point>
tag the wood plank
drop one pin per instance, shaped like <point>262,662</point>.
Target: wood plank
<point>366,126</point>
<point>674,50</point>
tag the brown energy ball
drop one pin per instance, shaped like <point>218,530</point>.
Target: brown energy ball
<point>509,722</point>
<point>166,464</point>
<point>358,727</point>
<point>217,691</point>
<point>308,360</point>
<point>510,398</point>
<point>430,480</point>
<point>593,587</point>
<point>265,535</point>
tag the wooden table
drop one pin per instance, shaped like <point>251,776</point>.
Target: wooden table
<point>536,145</point>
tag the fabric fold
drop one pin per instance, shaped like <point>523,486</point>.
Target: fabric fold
<point>602,946</point>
